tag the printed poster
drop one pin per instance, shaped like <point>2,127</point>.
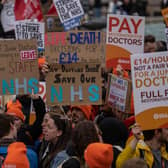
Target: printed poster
<point>70,13</point>
<point>150,81</point>
<point>8,16</point>
<point>165,15</point>
<point>125,36</point>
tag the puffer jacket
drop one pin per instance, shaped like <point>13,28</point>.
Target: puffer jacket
<point>129,153</point>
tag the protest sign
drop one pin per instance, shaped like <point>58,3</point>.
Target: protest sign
<point>75,46</point>
<point>150,81</point>
<point>19,72</point>
<point>53,24</point>
<point>166,32</point>
<point>119,93</point>
<point>165,15</point>
<point>7,16</point>
<point>70,12</point>
<point>125,36</point>
<point>52,10</point>
<point>74,84</point>
<point>42,90</point>
<point>28,9</point>
<point>25,30</point>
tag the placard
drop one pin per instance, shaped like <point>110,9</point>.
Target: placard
<point>75,46</point>
<point>53,24</point>
<point>119,93</point>
<point>25,30</point>
<point>19,73</point>
<point>125,36</point>
<point>78,84</point>
<point>150,81</point>
<point>28,9</point>
<point>165,15</point>
<point>70,12</point>
<point>7,16</point>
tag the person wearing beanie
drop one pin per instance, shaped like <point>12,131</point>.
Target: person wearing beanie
<point>99,155</point>
<point>15,109</point>
<point>114,132</point>
<point>16,156</point>
<point>20,109</point>
<point>8,136</point>
<point>81,113</point>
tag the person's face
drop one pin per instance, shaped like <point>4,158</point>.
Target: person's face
<point>164,134</point>
<point>18,122</point>
<point>77,115</point>
<point>14,130</point>
<point>149,47</point>
<point>44,123</point>
<point>52,133</point>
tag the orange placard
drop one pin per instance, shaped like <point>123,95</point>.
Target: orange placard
<point>165,15</point>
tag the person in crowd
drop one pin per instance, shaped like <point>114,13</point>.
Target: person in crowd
<point>161,46</point>
<point>84,133</point>
<point>152,149</point>
<point>114,132</point>
<point>149,44</point>
<point>16,156</point>
<point>8,135</point>
<point>81,113</point>
<point>27,133</point>
<point>98,155</point>
<point>135,162</point>
<point>56,133</point>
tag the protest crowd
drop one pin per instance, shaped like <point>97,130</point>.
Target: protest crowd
<point>73,96</point>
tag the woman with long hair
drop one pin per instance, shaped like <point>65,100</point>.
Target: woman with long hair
<point>57,133</point>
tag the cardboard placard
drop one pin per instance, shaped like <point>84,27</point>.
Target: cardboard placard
<point>25,30</point>
<point>70,12</point>
<point>165,15</point>
<point>75,46</point>
<point>78,84</point>
<point>53,24</point>
<point>119,93</point>
<point>150,81</point>
<point>125,36</point>
<point>19,73</point>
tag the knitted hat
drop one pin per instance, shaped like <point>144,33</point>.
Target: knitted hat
<point>86,109</point>
<point>99,155</point>
<point>15,109</point>
<point>16,156</point>
<point>41,61</point>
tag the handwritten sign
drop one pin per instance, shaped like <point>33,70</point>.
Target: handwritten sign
<point>74,84</point>
<point>53,24</point>
<point>70,12</point>
<point>18,76</point>
<point>150,81</point>
<point>75,46</point>
<point>125,36</point>
<point>30,30</point>
<point>119,93</point>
